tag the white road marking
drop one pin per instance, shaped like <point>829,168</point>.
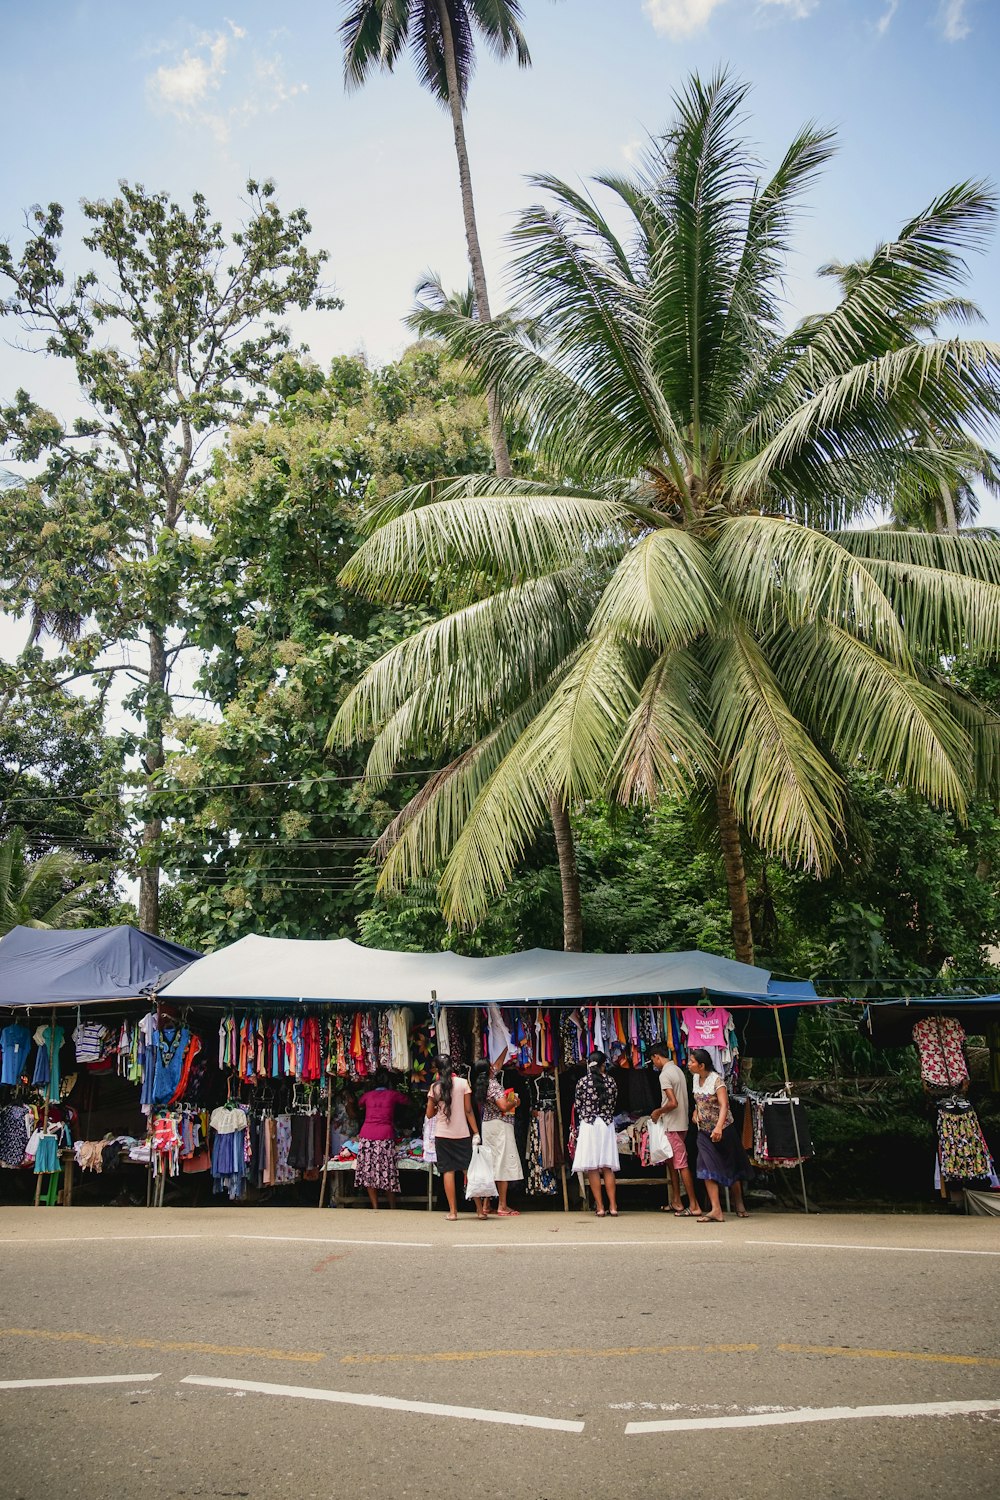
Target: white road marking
<point>90,1239</point>
<point>305,1239</point>
<point>387,1403</point>
<point>813,1414</point>
<point>556,1244</point>
<point>25,1385</point>
<point>888,1249</point>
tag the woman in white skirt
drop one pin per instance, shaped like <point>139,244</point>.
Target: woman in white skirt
<point>596,1146</point>
<point>496,1114</point>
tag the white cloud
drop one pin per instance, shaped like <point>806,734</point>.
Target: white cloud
<point>885,19</point>
<point>193,89</point>
<point>632,150</point>
<point>681,18</point>
<point>954,20</point>
<point>678,18</point>
<point>797,9</point>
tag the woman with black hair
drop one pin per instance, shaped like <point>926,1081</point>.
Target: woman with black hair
<point>377,1168</point>
<point>722,1161</point>
<point>449,1105</point>
<point>494,1109</point>
<point>596,1145</point>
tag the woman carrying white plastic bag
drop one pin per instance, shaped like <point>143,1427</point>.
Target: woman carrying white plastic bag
<point>479,1184</point>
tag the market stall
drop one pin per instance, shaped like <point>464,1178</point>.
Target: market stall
<point>44,974</point>
<point>938,1027</point>
<point>246,1065</point>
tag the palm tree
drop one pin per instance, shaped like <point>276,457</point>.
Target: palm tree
<point>441,35</point>
<point>48,892</point>
<point>698,609</point>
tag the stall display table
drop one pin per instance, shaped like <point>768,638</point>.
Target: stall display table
<point>339,1169</point>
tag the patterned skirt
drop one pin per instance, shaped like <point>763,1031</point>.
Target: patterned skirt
<point>377,1166</point>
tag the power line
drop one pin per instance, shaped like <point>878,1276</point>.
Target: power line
<point>233,786</point>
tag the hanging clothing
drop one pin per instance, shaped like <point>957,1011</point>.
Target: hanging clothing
<point>963,1154</point>
<point>540,1179</point>
<point>940,1044</point>
<point>15,1047</point>
<point>46,1075</point>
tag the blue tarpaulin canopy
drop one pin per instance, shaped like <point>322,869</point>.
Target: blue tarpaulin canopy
<point>890,1021</point>
<point>83,965</point>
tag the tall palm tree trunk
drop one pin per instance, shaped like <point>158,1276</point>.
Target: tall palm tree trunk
<point>501,453</point>
<point>736,875</point>
<point>568,872</point>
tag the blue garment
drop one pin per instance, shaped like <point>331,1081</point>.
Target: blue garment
<point>229,1163</point>
<point>42,1078</point>
<point>47,1155</point>
<point>169,1051</point>
<point>15,1045</point>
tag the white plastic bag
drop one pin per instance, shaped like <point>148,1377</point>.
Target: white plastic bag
<point>480,1182</point>
<point>660,1149</point>
<point>430,1148</point>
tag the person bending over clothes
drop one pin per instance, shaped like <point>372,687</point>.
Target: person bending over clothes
<point>596,1144</point>
<point>722,1161</point>
<point>449,1105</point>
<point>673,1112</point>
<point>495,1111</point>
<point>377,1168</point>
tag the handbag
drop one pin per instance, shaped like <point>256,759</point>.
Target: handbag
<point>660,1149</point>
<point>480,1182</point>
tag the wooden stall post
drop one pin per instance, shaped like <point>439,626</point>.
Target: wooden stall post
<point>48,1090</point>
<point>562,1144</point>
<point>788,1091</point>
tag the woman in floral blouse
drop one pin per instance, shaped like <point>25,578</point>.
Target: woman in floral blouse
<point>596,1152</point>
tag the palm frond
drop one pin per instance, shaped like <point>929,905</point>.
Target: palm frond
<point>874,713</point>
<point>665,748</point>
<point>787,794</point>
<point>663,594</point>
<point>770,568</point>
<point>506,539</point>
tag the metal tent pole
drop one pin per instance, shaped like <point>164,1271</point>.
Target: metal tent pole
<point>788,1091</point>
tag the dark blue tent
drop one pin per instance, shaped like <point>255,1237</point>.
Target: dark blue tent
<point>83,965</point>
<point>890,1022</point>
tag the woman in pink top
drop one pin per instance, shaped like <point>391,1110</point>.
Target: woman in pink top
<point>377,1169</point>
<point>449,1105</point>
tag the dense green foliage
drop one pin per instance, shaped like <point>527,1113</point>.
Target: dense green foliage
<point>264,827</point>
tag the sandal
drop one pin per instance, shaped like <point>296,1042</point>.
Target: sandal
<point>508,1213</point>
<point>683,1213</point>
<point>709,1219</point>
<point>612,1213</point>
<point>599,1213</point>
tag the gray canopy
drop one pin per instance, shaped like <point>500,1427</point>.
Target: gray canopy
<point>291,969</point>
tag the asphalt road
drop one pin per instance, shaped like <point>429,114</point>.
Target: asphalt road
<point>530,1356</point>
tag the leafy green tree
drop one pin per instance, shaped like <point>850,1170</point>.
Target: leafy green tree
<point>50,891</point>
<point>441,34</point>
<point>263,828</point>
<point>59,771</point>
<point>695,610</point>
<point>171,335</point>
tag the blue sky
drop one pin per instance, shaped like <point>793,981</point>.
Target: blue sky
<point>201,96</point>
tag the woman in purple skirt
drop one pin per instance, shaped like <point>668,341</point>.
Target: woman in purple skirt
<point>722,1161</point>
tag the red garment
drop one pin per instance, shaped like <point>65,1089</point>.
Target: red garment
<point>380,1107</point>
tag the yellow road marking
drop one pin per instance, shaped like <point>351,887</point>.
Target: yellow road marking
<point>304,1357</point>
<point>841,1351</point>
<point>461,1355</point>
